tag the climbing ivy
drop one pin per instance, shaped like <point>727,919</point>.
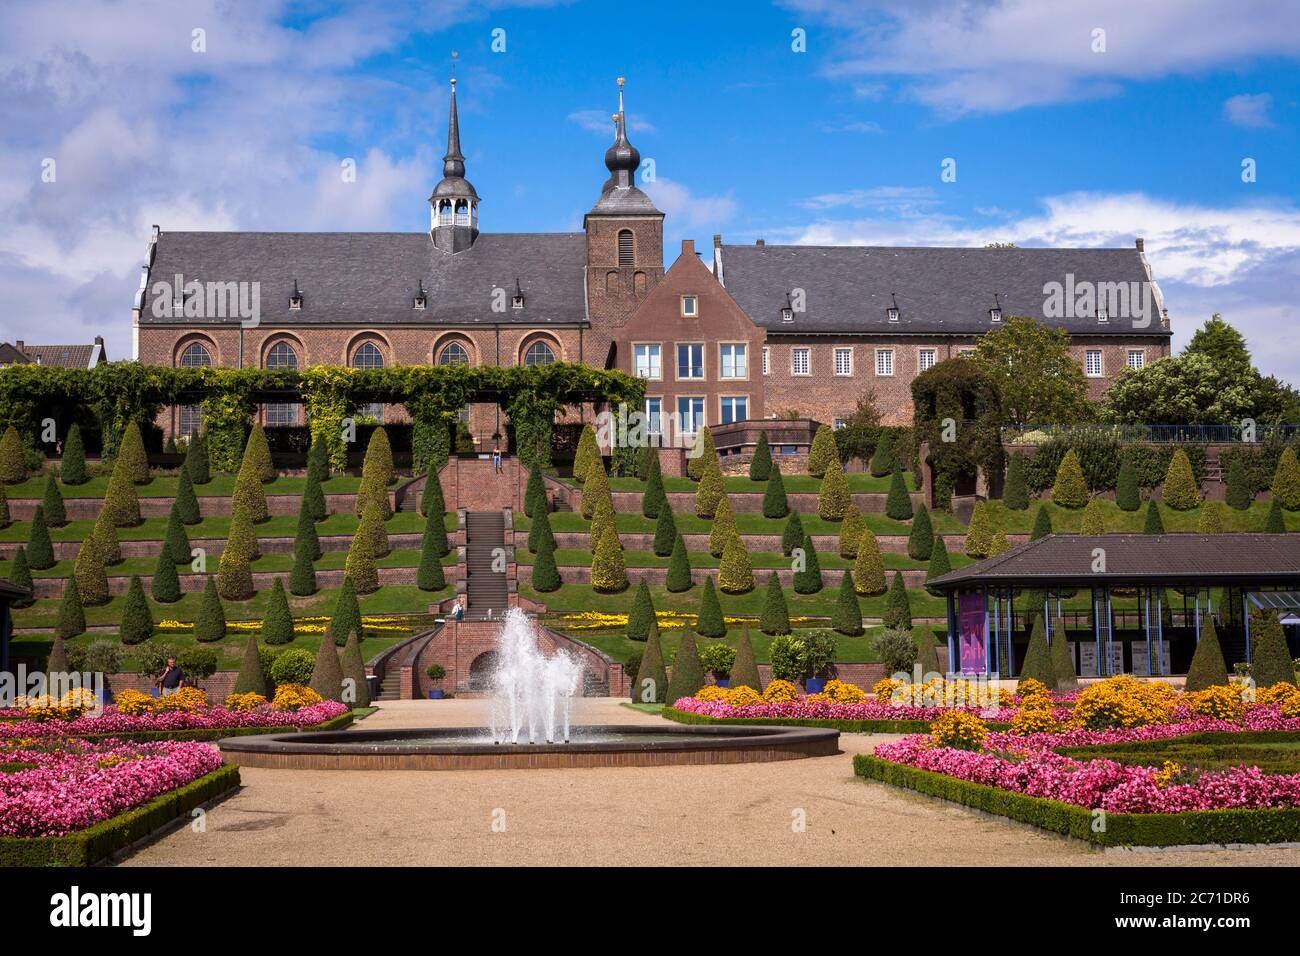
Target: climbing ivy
<point>957,412</point>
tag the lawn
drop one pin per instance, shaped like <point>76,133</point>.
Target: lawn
<point>747,522</point>
<point>829,561</point>
<point>1070,520</point>
<point>848,650</point>
<point>794,484</point>
<point>276,526</point>
<point>164,486</point>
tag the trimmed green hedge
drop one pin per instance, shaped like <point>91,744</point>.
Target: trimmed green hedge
<point>96,843</point>
<point>1121,829</point>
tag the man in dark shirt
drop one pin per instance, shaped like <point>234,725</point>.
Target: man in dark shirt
<point>170,680</point>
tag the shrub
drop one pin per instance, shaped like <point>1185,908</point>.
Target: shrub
<point>302,579</point>
<point>1127,493</point>
<point>327,673</point>
<point>1210,520</point>
<point>744,671</point>
<point>707,460</point>
<point>176,545</point>
<point>1239,493</point>
<point>651,686</point>
<point>372,532</point>
<point>251,679</point>
<point>979,534</point>
<point>940,564</point>
<point>165,586</point>
<point>546,576</point>
<point>210,625</point>
<point>1270,661</point>
<point>608,573</point>
<point>249,496</point>
<point>868,567</point>
<point>313,495</point>
<point>898,504</point>
<point>379,458</point>
<point>1208,668</point>
<point>40,549</point>
<point>808,579</point>
<point>72,617</point>
<point>196,460</point>
<point>586,452</point>
<point>898,608</point>
<point>1274,522</point>
<point>370,491</point>
<point>792,536</point>
<point>822,452</point>
<point>833,495</point>
<point>775,503</point>
<point>760,466</point>
<point>1063,659</point>
<point>920,541</point>
<point>1094,521</point>
<point>234,575</point>
<point>596,489</point>
<point>788,659</point>
<point>197,663</point>
<point>665,532</point>
<point>926,653</point>
<point>775,618</point>
<point>88,572</point>
<point>819,652</point>
<point>259,451</point>
<point>430,577</point>
<point>1070,489</point>
<point>294,666</point>
<point>709,493</point>
<point>307,537</point>
<point>847,618</point>
<point>717,659</point>
<point>131,457</point>
<point>13,458</point>
<point>120,500</point>
<point>359,568</point>
<point>20,573</point>
<point>1015,493</point>
<point>679,569</point>
<point>999,544</point>
<point>850,531</point>
<point>709,620</point>
<point>654,501</point>
<point>277,623</point>
<point>723,528</point>
<point>1180,490</point>
<point>1038,657</point>
<point>72,469</point>
<point>105,535</point>
<point>1042,524</point>
<point>56,516</point>
<point>432,500</point>
<point>641,464</point>
<point>736,573</point>
<point>1286,481</point>
<point>1153,523</point>
<point>884,462</point>
<point>540,530</point>
<point>186,505</point>
<point>601,521</point>
<point>642,614</point>
<point>356,691</point>
<point>896,651</point>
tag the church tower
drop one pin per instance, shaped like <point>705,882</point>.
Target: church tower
<point>625,241</point>
<point>453,206</point>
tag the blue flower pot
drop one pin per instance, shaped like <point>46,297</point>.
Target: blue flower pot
<point>814,685</point>
<point>435,695</point>
<point>723,682</point>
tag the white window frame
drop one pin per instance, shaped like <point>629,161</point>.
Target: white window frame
<point>1087,364</point>
<point>844,351</point>
<point>694,311</point>
<point>767,360</point>
<point>652,349</point>
<point>807,361</point>
<point>885,359</point>
<point>920,359</point>
<point>704,358</point>
<point>738,350</point>
<point>723,399</point>
<point>1141,355</point>
<point>696,423</point>
<point>653,420</point>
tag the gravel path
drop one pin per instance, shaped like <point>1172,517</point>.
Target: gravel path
<point>741,814</point>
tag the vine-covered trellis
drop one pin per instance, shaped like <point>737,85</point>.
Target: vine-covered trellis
<point>116,393</point>
<point>958,414</point>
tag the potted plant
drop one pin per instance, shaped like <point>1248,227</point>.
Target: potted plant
<point>819,654</point>
<point>435,673</point>
<point>718,658</point>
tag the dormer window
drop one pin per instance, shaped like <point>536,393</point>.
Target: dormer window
<point>690,307</point>
<point>1103,316</point>
<point>295,300</point>
<point>995,315</point>
<point>517,300</point>
<point>893,313</point>
<point>787,314</point>
<point>421,300</point>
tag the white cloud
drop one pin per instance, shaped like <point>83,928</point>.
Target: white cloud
<point>1249,109</point>
<point>600,121</point>
<point>684,209</point>
<point>853,126</point>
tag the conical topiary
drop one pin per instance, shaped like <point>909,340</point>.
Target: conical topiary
<point>430,577</point>
<point>88,571</point>
<point>586,452</point>
<point>979,533</point>
<point>56,516</point>
<point>356,690</point>
<point>1208,668</point>
<point>313,495</point>
<point>40,549</point>
<point>1094,520</point>
<point>432,499</point>
<point>57,663</point>
<point>706,461</point>
<point>1128,495</point>
<point>651,685</point>
<point>1070,489</point>
<point>251,678</point>
<point>792,537</point>
<point>176,544</point>
<point>641,463</point>
<point>688,674</point>
<point>833,495</point>
<point>679,569</point>
<point>105,536</point>
<point>709,620</point>
<point>927,655</point>
<point>665,532</point>
<point>259,451</point>
<point>744,672</point>
<point>775,618</point>
<point>131,457</point>
<point>72,469</point>
<point>210,625</point>
<point>1239,493</point>
<point>775,503</point>
<point>196,460</point>
<point>546,575</point>
<point>120,500</point>
<point>1180,491</point>
<point>898,607</point>
<point>736,571</point>
<point>1210,520</point>
<point>347,613</point>
<point>654,501</point>
<point>1042,523</point>
<point>372,530</point>
<point>539,532</point>
<point>608,572</point>
<point>1274,522</point>
<point>13,460</point>
<point>847,618</point>
<point>711,490</point>
<point>1154,525</point>
<point>187,503</point>
<point>302,579</point>
<point>642,614</point>
<point>1062,656</point>
<point>234,574</point>
<point>920,542</point>
<point>1038,657</point>
<point>808,579</point>
<point>898,504</point>
<point>327,672</point>
<point>277,622</point>
<point>596,489</point>
<point>20,573</point>
<point>850,531</point>
<point>359,567</point>
<point>4,508</point>
<point>534,493</point>
<point>723,528</point>
<point>1286,480</point>
<point>379,458</point>
<point>249,497</point>
<point>822,452</point>
<point>760,466</point>
<point>306,533</point>
<point>601,521</point>
<point>999,544</point>
<point>1270,661</point>
<point>1015,493</point>
<point>884,462</point>
<point>72,617</point>
<point>165,586</point>
<point>869,566</point>
<point>940,564</point>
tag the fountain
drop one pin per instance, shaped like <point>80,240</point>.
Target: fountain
<point>528,687</point>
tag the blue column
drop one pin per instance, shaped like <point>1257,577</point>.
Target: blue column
<point>952,616</point>
<point>986,630</point>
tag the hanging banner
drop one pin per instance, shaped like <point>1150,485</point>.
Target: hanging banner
<point>972,617</point>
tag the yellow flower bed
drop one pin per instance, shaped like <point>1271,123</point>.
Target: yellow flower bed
<point>70,706</point>
<point>184,699</point>
<point>1168,773</point>
<point>1034,720</point>
<point>959,729</point>
<point>1279,694</point>
<point>883,689</point>
<point>711,692</point>
<point>294,697</point>
<point>133,703</point>
<point>666,620</point>
<point>743,696</point>
<point>1222,702</point>
<point>301,625</point>
<point>1029,687</point>
<point>841,692</point>
<point>1124,701</point>
<point>780,692</point>
<point>244,702</point>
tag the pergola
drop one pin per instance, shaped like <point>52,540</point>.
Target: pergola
<point>9,593</point>
<point>1109,595</point>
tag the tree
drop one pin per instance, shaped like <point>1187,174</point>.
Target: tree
<point>354,674</point>
<point>327,672</point>
<point>313,495</point>
<point>1239,493</point>
<point>1094,519</point>
<point>131,457</point>
<point>1275,522</point>
<point>1210,520</point>
<point>72,617</point>
<point>137,622</point>
<point>105,535</point>
<point>586,452</point>
<point>302,579</point>
<point>822,452</point>
<point>1062,660</point>
<point>347,613</point>
<point>242,537</point>
<point>260,452</point>
<point>760,466</point>
<point>642,615</point>
<point>601,521</point>
<point>641,464</point>
<point>744,672</point>
<point>679,569</point>
<point>251,678</point>
<point>1042,524</point>
<point>775,503</point>
<point>1153,524</point>
<point>808,579</point>
<point>654,502</point>
<point>432,499</point>
<point>359,566</point>
<point>775,618</point>
<point>707,459</point>
<point>688,674</point>
<point>1038,657</point>
<point>884,462</point>
<point>723,528</point>
<point>40,550</point>
<point>430,577</point>
<point>792,536</point>
<point>277,622</point>
<point>665,532</point>
<point>709,621</point>
<point>13,458</point>
<point>56,516</point>
<point>249,496</point>
<point>1286,481</point>
<point>88,572</point>
<point>833,495</point>
<point>165,587</point>
<point>120,499</point>
<point>1000,544</point>
<point>435,529</point>
<point>898,504</point>
<point>1180,490</point>
<point>379,458</point>
<point>210,625</point>
<point>858,434</point>
<point>176,544</point>
<point>1038,379</point>
<point>940,564</point>
<point>72,469</point>
<point>710,491</point>
<point>234,574</point>
<point>371,530</point>
<point>1070,489</point>
<point>20,573</point>
<point>306,534</point>
<point>608,572</point>
<point>546,576</point>
<point>898,608</point>
<point>186,504</point>
<point>979,533</point>
<point>1270,661</point>
<point>920,542</point>
<point>196,460</point>
<point>651,685</point>
<point>847,618</point>
<point>1128,494</point>
<point>736,572</point>
<point>1015,493</point>
<point>869,567</point>
<point>596,489</point>
<point>850,531</point>
<point>1208,668</point>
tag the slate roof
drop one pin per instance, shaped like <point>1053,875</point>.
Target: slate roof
<point>10,590</point>
<point>61,356</point>
<point>1059,559</point>
<point>372,277</point>
<point>11,356</point>
<point>939,290</point>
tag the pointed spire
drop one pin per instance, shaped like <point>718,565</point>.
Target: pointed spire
<point>620,193</point>
<point>454,203</point>
<point>453,164</point>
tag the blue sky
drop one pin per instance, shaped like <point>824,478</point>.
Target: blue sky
<point>1055,141</point>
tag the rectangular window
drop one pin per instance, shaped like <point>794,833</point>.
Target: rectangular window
<point>767,360</point>
<point>648,361</point>
<point>653,413</point>
<point>733,361</point>
<point>799,362</point>
<point>690,306</point>
<point>884,362</point>
<point>1092,363</point>
<point>735,408</point>
<point>965,353</point>
<point>690,360</point>
<point>926,359</point>
<point>191,419</point>
<point>1137,358</point>
<point>840,423</point>
<point>844,361</point>
<point>281,413</point>
<point>690,415</point>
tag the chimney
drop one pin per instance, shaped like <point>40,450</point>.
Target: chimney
<point>717,240</point>
<point>759,242</point>
<point>19,345</point>
<point>688,247</point>
<point>99,340</point>
<point>1141,244</point>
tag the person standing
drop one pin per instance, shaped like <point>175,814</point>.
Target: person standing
<point>496,458</point>
<point>169,681</point>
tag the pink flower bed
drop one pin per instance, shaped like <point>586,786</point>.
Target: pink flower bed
<point>81,784</point>
<point>210,718</point>
<point>804,709</point>
<point>1028,765</point>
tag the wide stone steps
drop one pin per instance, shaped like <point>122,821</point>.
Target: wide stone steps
<point>486,590</point>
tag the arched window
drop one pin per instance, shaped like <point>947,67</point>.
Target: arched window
<point>611,283</point>
<point>444,212</point>
<point>539,353</point>
<point>196,355</point>
<point>282,355</point>
<point>453,354</point>
<point>367,355</point>
<point>626,249</point>
<point>462,213</point>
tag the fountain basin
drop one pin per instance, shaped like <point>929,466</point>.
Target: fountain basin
<point>470,748</point>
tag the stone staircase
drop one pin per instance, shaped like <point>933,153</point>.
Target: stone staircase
<point>391,686</point>
<point>486,591</point>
